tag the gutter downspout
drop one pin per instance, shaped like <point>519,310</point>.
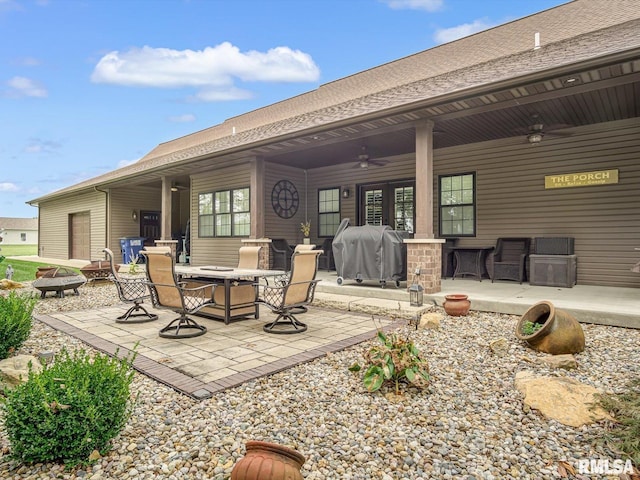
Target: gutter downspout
<point>39,226</point>
<point>106,214</point>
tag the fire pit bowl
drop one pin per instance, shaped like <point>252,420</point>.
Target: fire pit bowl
<point>58,280</point>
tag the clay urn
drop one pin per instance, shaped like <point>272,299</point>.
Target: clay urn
<point>559,334</point>
<point>268,461</point>
<point>456,304</point>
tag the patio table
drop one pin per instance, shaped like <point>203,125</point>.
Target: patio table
<point>471,261</point>
<point>229,276</point>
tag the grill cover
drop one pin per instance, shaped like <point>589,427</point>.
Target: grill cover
<point>370,252</point>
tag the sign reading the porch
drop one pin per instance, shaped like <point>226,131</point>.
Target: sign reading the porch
<point>582,179</point>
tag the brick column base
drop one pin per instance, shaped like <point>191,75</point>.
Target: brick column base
<point>263,256</point>
<point>425,254</point>
<point>172,244</point>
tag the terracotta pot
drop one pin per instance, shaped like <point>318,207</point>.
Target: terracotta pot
<point>560,332</point>
<point>456,304</point>
<point>268,461</point>
<point>42,270</point>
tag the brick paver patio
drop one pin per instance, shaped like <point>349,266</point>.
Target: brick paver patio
<point>227,355</point>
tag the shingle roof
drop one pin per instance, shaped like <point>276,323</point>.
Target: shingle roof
<point>10,223</point>
<point>571,33</point>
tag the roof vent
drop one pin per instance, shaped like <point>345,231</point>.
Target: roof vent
<point>536,40</point>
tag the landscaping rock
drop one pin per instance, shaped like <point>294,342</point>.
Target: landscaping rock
<point>563,399</point>
<point>15,370</point>
<point>566,361</point>
<point>499,347</point>
<point>430,320</point>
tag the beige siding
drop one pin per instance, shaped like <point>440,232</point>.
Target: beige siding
<point>512,200</point>
<point>288,228</point>
<point>123,202</point>
<point>54,224</point>
<point>216,251</point>
<point>349,175</point>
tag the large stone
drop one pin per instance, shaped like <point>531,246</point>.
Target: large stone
<point>430,320</point>
<point>563,399</point>
<point>15,370</point>
<point>6,284</point>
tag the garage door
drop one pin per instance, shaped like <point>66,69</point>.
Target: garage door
<point>80,236</point>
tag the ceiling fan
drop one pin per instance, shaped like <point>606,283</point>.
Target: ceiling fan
<point>176,187</point>
<point>536,130</point>
<point>364,161</point>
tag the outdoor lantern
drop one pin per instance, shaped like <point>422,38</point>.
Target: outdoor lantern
<point>416,294</point>
<point>134,215</point>
<point>345,192</point>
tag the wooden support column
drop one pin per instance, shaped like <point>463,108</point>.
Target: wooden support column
<point>424,252</point>
<point>165,221</point>
<point>424,180</point>
<point>256,166</point>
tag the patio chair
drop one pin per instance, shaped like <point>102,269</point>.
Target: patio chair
<point>130,290</point>
<point>248,257</point>
<point>326,260</point>
<point>167,292</point>
<point>280,254</point>
<point>508,261</point>
<point>297,292</point>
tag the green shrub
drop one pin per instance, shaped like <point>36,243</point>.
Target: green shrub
<point>625,408</point>
<point>15,321</point>
<point>395,360</point>
<point>74,406</point>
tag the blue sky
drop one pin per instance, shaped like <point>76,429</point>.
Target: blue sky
<point>87,86</point>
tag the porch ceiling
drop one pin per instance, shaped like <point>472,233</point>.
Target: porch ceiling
<point>600,94</point>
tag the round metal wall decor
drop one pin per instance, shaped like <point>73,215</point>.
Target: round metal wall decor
<point>285,199</point>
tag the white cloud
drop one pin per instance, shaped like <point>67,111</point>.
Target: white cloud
<point>186,118</point>
<point>37,145</point>
<point>20,87</point>
<point>445,35</point>
<point>8,187</point>
<point>126,163</point>
<point>220,94</point>
<point>428,5</point>
<point>214,69</point>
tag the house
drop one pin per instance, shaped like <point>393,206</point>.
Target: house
<point>529,129</point>
<point>19,231</point>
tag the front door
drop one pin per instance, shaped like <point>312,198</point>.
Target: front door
<point>391,203</point>
<point>150,227</point>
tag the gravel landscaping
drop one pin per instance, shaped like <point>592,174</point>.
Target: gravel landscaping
<point>469,423</point>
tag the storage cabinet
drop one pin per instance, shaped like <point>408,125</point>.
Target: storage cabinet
<point>553,270</point>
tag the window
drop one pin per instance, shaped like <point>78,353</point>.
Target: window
<point>403,208</point>
<point>224,213</point>
<point>328,211</point>
<point>457,205</point>
<point>23,237</point>
<point>391,203</point>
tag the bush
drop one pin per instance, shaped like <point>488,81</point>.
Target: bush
<point>15,321</point>
<point>74,406</point>
<point>395,360</point>
<point>625,408</point>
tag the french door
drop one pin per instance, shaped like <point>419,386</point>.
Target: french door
<point>391,203</point>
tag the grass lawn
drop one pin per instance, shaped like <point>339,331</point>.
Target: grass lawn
<point>18,250</point>
<point>23,271</point>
